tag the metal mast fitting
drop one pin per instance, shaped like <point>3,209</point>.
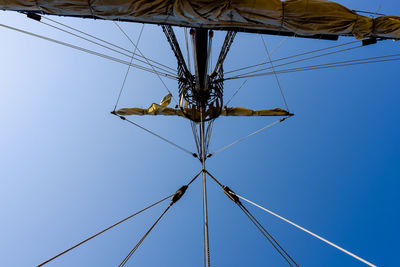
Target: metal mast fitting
<point>200,93</point>
<point>203,101</point>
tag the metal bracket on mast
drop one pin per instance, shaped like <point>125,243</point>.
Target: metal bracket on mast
<point>230,35</point>
<point>183,71</point>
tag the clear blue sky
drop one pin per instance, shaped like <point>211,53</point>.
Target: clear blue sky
<point>68,168</point>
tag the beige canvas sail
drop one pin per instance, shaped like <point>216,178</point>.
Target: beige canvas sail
<point>302,17</point>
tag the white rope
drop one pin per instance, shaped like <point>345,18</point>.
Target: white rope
<point>247,136</point>
<point>309,232</point>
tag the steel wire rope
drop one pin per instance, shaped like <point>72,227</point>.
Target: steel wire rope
<point>266,236</point>
<point>326,66</point>
<point>293,56</point>
<point>195,136</point>
<point>129,67</point>
<point>209,133</point>
<point>205,208</point>
<point>88,51</point>
<point>109,48</point>
<point>194,178</point>
<point>276,76</point>
<point>173,201</point>
<point>378,9</point>
<point>369,12</point>
<point>104,230</point>
<point>162,81</point>
<point>279,45</point>
<point>106,42</point>
<point>156,135</point>
<point>258,66</point>
<point>143,238</point>
<point>270,238</point>
<point>299,60</point>
<point>307,231</point>
<point>249,135</point>
<point>236,92</point>
<point>272,61</point>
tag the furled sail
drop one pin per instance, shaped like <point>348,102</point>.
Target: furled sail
<point>300,17</point>
<point>163,109</point>
<point>156,109</point>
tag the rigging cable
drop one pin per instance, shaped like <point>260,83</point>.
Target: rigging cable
<point>237,91</point>
<point>205,207</point>
<point>328,65</point>
<point>104,230</point>
<point>89,51</point>
<point>156,135</point>
<point>278,46</point>
<point>104,46</point>
<point>121,221</point>
<point>283,64</point>
<point>293,56</point>
<point>106,42</point>
<point>258,66</point>
<point>209,133</point>
<point>195,136</point>
<point>271,238</point>
<point>265,235</point>
<point>307,231</point>
<point>369,12</point>
<point>162,81</point>
<point>177,196</point>
<point>142,239</point>
<point>129,67</point>
<point>276,76</point>
<point>247,136</point>
<point>300,60</point>
<point>259,226</point>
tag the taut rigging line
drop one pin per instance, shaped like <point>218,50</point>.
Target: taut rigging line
<point>289,57</point>
<point>263,231</point>
<point>295,61</point>
<point>136,47</point>
<point>175,197</point>
<point>102,231</point>
<point>235,198</point>
<point>129,67</point>
<point>155,134</point>
<point>109,48</point>
<point>116,48</point>
<point>361,61</point>
<point>249,135</point>
<point>89,51</point>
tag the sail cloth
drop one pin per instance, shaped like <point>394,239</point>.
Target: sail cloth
<point>156,109</point>
<point>302,17</point>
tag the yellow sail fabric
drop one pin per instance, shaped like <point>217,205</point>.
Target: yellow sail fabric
<point>166,100</point>
<point>156,109</point>
<point>303,17</point>
<point>239,111</point>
